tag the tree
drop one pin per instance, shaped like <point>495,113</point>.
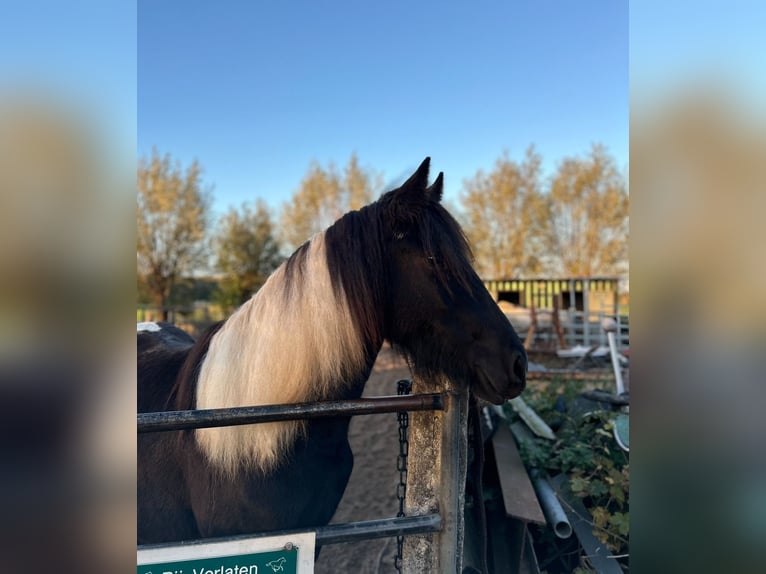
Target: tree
<point>172,212</point>
<point>589,216</point>
<point>505,218</point>
<point>324,196</point>
<point>246,252</point>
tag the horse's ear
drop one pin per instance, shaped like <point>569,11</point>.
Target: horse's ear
<point>416,184</point>
<point>434,192</point>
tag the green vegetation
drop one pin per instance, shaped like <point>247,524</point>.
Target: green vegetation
<point>586,452</point>
<point>246,251</point>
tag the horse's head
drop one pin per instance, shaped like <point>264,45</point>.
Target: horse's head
<point>437,310</point>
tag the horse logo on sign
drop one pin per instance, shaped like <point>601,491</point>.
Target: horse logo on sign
<point>277,565</point>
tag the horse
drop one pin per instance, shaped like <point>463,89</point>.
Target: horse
<point>398,269</point>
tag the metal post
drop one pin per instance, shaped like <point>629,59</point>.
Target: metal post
<point>619,331</point>
<point>586,310</point>
<point>572,328</point>
<point>574,340</point>
<point>610,326</point>
<point>572,296</point>
<point>601,335</point>
<point>438,459</point>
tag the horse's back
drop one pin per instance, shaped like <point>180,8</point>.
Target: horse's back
<point>153,333</point>
<point>162,349</point>
<point>162,499</point>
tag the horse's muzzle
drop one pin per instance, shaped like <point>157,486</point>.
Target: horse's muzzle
<point>497,381</point>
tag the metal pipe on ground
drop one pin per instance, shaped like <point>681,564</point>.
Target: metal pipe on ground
<point>552,509</point>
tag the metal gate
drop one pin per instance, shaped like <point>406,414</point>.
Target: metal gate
<point>437,462</point>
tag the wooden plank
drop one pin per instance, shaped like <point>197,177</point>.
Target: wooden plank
<point>518,493</point>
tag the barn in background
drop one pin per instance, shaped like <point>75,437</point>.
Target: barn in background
<point>587,295</point>
<point>562,312</point>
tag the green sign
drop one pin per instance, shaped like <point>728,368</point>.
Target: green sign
<point>292,554</point>
<point>281,561</point>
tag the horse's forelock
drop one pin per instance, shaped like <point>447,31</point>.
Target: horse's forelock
<point>440,234</point>
<point>444,240</point>
<point>357,261</point>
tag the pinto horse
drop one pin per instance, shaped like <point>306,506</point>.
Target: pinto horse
<point>398,269</point>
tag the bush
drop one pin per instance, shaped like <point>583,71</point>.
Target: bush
<point>586,452</point>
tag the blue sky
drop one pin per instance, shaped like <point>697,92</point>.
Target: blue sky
<point>256,90</point>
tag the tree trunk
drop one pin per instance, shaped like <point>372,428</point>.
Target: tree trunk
<point>161,301</point>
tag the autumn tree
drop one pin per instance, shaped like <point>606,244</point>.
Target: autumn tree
<point>504,216</point>
<point>246,251</point>
<point>588,206</point>
<point>172,212</point>
<point>324,195</point>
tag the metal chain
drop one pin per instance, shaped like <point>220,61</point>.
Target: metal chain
<point>403,387</point>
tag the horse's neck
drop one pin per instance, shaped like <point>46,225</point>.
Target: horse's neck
<point>328,433</point>
<point>355,388</point>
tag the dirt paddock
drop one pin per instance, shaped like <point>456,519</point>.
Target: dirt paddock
<point>371,491</point>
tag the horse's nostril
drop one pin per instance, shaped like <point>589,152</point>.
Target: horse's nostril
<point>520,369</point>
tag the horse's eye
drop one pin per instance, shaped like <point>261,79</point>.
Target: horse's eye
<point>431,260</point>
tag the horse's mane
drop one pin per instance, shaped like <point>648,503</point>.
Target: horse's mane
<point>295,340</point>
<point>313,328</point>
<point>184,392</point>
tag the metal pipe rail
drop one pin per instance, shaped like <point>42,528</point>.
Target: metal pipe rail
<point>426,522</point>
<point>180,420</point>
<point>339,533</point>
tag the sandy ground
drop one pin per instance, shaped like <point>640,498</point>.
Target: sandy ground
<point>371,490</point>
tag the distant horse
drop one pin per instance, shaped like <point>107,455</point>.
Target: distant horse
<point>397,269</point>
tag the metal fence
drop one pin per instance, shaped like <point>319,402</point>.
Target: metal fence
<point>568,328</point>
<point>435,478</point>
<point>586,329</point>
